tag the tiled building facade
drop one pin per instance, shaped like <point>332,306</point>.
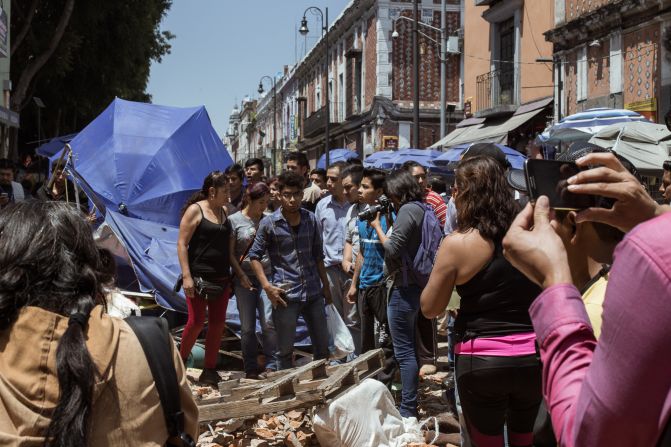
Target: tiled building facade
<point>612,53</point>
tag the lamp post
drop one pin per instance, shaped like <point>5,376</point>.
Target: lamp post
<point>273,152</point>
<point>304,30</point>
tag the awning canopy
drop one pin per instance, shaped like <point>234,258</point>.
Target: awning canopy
<point>497,132</point>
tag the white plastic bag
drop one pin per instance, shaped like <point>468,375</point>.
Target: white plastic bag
<point>365,416</point>
<point>341,343</point>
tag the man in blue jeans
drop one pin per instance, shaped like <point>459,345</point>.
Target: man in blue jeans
<point>298,284</point>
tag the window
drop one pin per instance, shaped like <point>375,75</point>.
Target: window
<point>506,63</point>
<point>581,74</point>
<point>616,63</point>
<point>390,57</point>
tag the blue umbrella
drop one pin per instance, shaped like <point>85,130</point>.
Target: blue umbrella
<point>454,154</point>
<point>424,157</point>
<point>145,160</point>
<point>54,145</point>
<point>374,159</point>
<point>336,155</point>
<point>593,120</point>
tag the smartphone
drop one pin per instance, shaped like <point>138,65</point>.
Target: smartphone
<point>550,178</point>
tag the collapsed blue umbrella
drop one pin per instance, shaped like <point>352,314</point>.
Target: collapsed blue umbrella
<point>145,160</point>
<point>139,163</point>
<point>336,155</point>
<point>424,157</point>
<point>454,154</point>
<point>54,145</point>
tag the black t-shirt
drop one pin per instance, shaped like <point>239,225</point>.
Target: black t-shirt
<point>209,249</point>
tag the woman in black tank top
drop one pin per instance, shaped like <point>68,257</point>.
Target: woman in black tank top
<point>498,372</point>
<point>203,250</point>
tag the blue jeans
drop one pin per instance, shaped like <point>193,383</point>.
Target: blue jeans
<point>285,319</point>
<point>249,302</point>
<point>402,312</point>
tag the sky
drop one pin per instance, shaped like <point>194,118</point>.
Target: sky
<point>222,49</point>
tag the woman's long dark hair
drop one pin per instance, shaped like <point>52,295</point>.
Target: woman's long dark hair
<point>484,200</point>
<point>255,192</point>
<point>403,186</point>
<point>48,259</point>
<point>215,179</point>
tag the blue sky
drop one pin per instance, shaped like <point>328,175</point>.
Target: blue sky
<point>223,47</point>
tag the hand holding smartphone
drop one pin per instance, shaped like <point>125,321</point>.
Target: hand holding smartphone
<point>550,178</point>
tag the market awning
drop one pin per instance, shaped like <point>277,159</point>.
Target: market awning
<point>495,133</point>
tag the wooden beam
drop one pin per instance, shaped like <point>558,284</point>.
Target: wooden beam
<point>285,384</point>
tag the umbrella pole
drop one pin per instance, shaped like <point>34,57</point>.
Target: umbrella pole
<point>72,167</point>
<point>66,150</point>
<point>617,140</point>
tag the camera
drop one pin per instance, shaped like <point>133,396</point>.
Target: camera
<point>383,205</point>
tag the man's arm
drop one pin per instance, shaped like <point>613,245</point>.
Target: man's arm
<point>353,289</point>
<point>325,281</point>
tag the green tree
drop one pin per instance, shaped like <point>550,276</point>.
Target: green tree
<point>78,55</point>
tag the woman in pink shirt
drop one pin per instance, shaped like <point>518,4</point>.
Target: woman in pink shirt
<point>616,392</point>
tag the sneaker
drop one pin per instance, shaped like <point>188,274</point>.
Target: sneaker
<point>209,376</point>
<point>252,376</point>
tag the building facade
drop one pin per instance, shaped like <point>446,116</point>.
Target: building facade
<point>368,82</point>
<point>612,53</point>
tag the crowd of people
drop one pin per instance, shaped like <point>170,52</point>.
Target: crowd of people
<point>549,347</point>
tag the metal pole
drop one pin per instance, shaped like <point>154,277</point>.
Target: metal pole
<point>328,105</point>
<point>443,68</point>
<point>274,150</point>
<point>415,63</point>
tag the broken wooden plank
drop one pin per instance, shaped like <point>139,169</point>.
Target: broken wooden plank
<point>285,384</point>
<point>347,375</point>
<point>252,407</point>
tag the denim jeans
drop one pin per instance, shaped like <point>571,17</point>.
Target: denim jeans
<point>285,319</point>
<point>249,303</point>
<point>402,312</point>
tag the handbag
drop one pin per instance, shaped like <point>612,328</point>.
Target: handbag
<point>207,289</point>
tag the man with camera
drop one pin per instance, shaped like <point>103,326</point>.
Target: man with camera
<point>371,296</point>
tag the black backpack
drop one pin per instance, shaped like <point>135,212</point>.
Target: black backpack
<point>154,336</point>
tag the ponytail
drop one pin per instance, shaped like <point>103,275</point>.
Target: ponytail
<point>71,420</point>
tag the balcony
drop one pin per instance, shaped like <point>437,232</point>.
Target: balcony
<point>316,123</point>
<point>496,93</point>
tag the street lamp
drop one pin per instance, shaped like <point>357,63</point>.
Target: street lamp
<point>415,61</point>
<point>304,30</point>
<point>273,152</point>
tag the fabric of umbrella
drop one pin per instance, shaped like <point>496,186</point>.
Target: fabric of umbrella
<point>54,145</point>
<point>645,144</point>
<point>593,120</point>
<point>373,160</point>
<point>563,135</point>
<point>424,157</point>
<point>454,154</point>
<point>145,160</point>
<point>336,155</point>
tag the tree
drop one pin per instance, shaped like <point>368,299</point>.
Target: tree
<point>78,61</point>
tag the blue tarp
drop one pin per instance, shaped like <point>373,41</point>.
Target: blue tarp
<point>54,145</point>
<point>149,158</point>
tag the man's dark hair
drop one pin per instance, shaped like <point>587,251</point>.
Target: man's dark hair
<point>320,172</point>
<point>376,176</point>
<point>339,165</point>
<point>254,161</point>
<point>355,162</point>
<point>666,165</point>
<point>438,184</point>
<point>299,157</point>
<point>49,260</point>
<point>353,171</point>
<point>6,163</point>
<point>408,165</point>
<point>290,179</point>
<point>235,169</point>
<point>403,186</point>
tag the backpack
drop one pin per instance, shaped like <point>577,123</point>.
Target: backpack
<point>154,337</point>
<point>432,235</point>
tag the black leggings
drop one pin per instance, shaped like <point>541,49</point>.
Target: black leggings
<point>499,390</point>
